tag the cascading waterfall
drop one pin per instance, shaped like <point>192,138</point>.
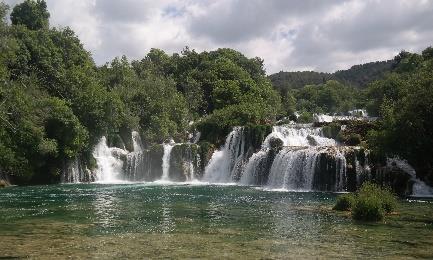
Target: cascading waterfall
<point>134,160</point>
<point>225,162</point>
<point>152,164</point>
<point>71,173</point>
<point>293,169</point>
<point>295,165</point>
<point>341,183</point>
<point>166,160</point>
<point>253,167</point>
<point>419,187</point>
<point>188,165</point>
<point>76,172</point>
<point>4,178</point>
<point>291,157</point>
<point>299,135</point>
<point>108,161</point>
<point>137,145</point>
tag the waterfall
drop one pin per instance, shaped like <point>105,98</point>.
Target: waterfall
<point>293,169</point>
<point>135,159</point>
<point>299,135</point>
<point>136,142</point>
<point>166,161</point>
<point>295,165</point>
<point>188,165</point>
<point>227,161</point>
<point>72,172</point>
<point>108,160</point>
<point>253,168</point>
<point>76,172</point>
<point>341,182</point>
<point>419,187</point>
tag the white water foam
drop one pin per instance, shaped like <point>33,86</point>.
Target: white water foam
<point>166,160</point>
<point>108,161</point>
<point>224,162</point>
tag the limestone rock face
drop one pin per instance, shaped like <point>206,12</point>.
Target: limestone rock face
<point>395,178</point>
<point>185,162</point>
<point>145,165</point>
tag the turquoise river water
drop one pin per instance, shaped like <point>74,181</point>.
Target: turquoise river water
<point>123,221</point>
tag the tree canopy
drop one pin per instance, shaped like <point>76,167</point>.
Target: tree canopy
<point>32,14</point>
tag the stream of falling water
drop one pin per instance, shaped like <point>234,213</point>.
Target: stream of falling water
<point>306,161</point>
<point>166,160</point>
<point>108,161</point>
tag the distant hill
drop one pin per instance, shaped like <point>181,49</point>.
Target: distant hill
<point>357,76</point>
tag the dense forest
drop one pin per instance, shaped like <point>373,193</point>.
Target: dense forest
<point>56,103</point>
<point>357,76</point>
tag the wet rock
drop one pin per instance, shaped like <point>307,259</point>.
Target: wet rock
<point>4,183</point>
<point>205,153</point>
<point>395,178</point>
<point>145,165</point>
<point>184,162</point>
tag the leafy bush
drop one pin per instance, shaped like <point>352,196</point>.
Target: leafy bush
<point>305,117</point>
<point>345,202</point>
<point>353,139</point>
<point>332,130</point>
<point>368,208</point>
<point>370,203</point>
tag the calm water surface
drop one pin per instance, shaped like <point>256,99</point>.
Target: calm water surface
<point>195,221</point>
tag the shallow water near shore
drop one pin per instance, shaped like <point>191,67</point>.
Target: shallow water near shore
<point>200,221</point>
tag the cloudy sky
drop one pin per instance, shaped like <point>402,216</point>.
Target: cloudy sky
<point>289,35</point>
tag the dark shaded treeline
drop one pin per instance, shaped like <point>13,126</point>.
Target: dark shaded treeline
<point>55,103</point>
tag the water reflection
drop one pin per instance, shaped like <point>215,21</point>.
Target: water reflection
<point>167,224</point>
<point>106,208</point>
<point>214,213</point>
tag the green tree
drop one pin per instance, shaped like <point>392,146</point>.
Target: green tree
<point>404,100</point>
<point>32,14</point>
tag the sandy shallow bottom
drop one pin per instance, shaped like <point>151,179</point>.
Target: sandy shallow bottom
<point>141,221</point>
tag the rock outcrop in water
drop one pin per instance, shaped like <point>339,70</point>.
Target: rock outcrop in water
<point>4,180</point>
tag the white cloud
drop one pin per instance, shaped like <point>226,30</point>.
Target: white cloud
<point>287,34</point>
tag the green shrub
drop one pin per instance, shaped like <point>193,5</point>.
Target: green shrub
<point>331,130</point>
<point>389,202</point>
<point>305,117</point>
<point>352,139</point>
<point>344,202</point>
<point>385,195</point>
<point>368,208</point>
<point>372,202</point>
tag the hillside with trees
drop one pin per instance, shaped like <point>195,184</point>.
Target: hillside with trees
<point>56,103</point>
